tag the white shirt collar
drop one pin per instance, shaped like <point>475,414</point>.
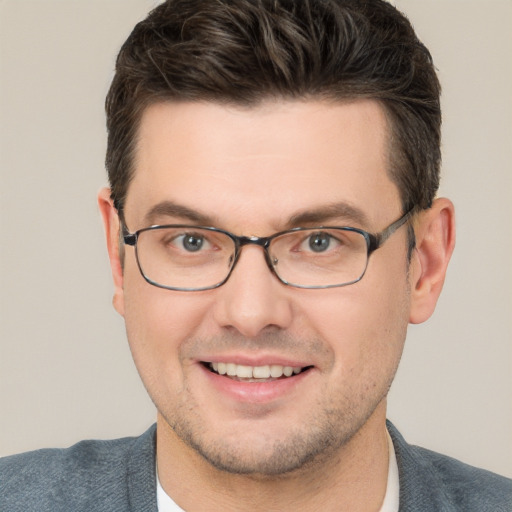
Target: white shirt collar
<point>391,499</point>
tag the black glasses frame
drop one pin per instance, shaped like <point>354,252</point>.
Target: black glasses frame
<point>373,242</point>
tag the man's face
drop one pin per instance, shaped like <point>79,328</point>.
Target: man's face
<point>254,171</point>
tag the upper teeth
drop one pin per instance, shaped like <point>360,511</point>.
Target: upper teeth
<point>255,372</point>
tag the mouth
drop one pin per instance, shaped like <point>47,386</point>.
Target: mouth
<point>266,373</point>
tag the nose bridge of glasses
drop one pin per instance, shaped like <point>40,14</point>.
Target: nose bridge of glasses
<point>261,241</point>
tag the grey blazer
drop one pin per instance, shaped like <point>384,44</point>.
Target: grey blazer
<point>119,476</point>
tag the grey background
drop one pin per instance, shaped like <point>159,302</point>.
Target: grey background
<point>65,368</point>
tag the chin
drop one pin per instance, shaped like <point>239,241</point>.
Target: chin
<point>263,452</point>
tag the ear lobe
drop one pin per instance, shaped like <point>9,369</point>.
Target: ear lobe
<point>112,232</point>
<point>435,241</point>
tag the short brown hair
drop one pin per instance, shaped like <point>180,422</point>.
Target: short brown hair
<point>245,51</point>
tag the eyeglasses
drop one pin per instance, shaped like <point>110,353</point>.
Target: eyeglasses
<point>193,258</point>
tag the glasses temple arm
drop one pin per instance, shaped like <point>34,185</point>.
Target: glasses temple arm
<point>376,240</point>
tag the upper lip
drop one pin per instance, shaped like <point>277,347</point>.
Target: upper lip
<point>263,360</point>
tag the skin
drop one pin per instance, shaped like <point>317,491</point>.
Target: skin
<point>318,441</point>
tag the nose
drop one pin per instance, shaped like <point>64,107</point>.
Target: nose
<point>253,299</point>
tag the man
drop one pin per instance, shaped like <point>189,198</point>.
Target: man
<point>272,228</point>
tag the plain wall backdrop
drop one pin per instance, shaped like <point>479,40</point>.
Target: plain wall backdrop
<point>65,367</point>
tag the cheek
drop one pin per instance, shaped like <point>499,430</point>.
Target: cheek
<point>157,322</point>
<point>365,324</point>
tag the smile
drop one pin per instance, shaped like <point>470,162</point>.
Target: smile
<point>255,373</point>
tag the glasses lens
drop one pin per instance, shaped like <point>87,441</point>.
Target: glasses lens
<point>184,257</point>
<point>312,258</point>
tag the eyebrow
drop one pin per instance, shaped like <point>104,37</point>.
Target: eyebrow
<point>171,209</point>
<point>330,212</point>
<point>318,216</point>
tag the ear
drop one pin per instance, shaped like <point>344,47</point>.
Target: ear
<point>435,240</point>
<point>112,231</point>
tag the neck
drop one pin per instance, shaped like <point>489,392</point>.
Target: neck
<point>351,479</point>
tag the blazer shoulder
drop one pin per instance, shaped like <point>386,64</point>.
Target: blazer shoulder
<point>57,479</point>
<point>49,463</point>
<point>469,486</point>
<point>435,482</point>
<point>468,479</point>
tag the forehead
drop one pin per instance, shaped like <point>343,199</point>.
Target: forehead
<point>261,165</point>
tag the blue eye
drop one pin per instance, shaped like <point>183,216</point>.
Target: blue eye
<point>192,243</point>
<point>319,242</point>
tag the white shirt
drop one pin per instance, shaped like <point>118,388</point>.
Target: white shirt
<point>390,503</point>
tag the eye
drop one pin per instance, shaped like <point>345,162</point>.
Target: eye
<point>191,242</point>
<point>321,241</point>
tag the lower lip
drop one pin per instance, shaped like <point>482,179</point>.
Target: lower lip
<point>254,392</point>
